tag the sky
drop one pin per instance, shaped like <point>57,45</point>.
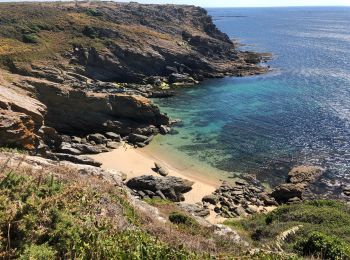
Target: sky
<point>249,3</point>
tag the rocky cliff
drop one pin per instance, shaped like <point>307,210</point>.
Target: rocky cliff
<point>77,69</point>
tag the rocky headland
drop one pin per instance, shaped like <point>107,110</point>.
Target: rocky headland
<point>71,70</point>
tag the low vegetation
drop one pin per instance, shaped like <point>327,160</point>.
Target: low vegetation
<point>42,217</point>
<point>318,228</point>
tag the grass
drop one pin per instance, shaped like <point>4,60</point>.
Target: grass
<point>329,219</point>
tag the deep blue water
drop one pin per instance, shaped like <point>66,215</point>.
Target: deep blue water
<point>298,113</point>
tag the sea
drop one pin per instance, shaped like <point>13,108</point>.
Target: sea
<point>297,114</point>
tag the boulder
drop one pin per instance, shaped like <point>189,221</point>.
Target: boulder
<point>89,149</point>
<point>163,129</point>
<point>161,169</point>
<point>97,138</point>
<point>172,187</point>
<point>212,199</point>
<point>50,137</point>
<point>136,138</point>
<point>284,192</point>
<point>68,149</point>
<point>113,136</point>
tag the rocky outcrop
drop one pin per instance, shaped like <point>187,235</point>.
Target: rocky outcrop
<point>299,178</point>
<point>169,187</point>
<point>47,166</point>
<point>76,111</point>
<point>20,118</point>
<point>239,199</point>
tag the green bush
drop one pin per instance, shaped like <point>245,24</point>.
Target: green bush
<point>332,218</point>
<point>38,252</point>
<point>181,218</point>
<point>89,32</point>
<point>30,38</point>
<point>93,12</point>
<point>324,246</point>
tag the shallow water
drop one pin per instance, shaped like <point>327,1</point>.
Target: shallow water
<point>299,113</point>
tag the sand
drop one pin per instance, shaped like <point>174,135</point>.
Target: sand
<point>136,162</point>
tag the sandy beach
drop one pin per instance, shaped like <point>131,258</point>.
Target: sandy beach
<point>136,162</point>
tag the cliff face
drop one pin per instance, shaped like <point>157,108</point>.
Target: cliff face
<point>89,67</point>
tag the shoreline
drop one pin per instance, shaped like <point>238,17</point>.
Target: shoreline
<point>136,162</point>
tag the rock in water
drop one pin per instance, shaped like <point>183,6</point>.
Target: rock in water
<point>304,174</point>
<point>172,187</point>
<point>298,181</point>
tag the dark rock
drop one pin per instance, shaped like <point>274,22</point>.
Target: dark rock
<point>164,129</point>
<point>140,145</point>
<point>212,199</point>
<point>149,139</point>
<point>267,200</point>
<point>287,191</point>
<point>97,138</point>
<point>172,187</point>
<point>67,148</point>
<point>113,136</point>
<point>50,137</point>
<point>160,194</point>
<point>136,138</point>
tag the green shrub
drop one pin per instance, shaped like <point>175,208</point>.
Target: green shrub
<point>90,32</point>
<point>38,252</point>
<point>181,218</point>
<point>332,218</point>
<point>30,38</point>
<point>93,12</point>
<point>324,246</point>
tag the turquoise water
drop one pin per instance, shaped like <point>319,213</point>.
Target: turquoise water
<point>298,113</point>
